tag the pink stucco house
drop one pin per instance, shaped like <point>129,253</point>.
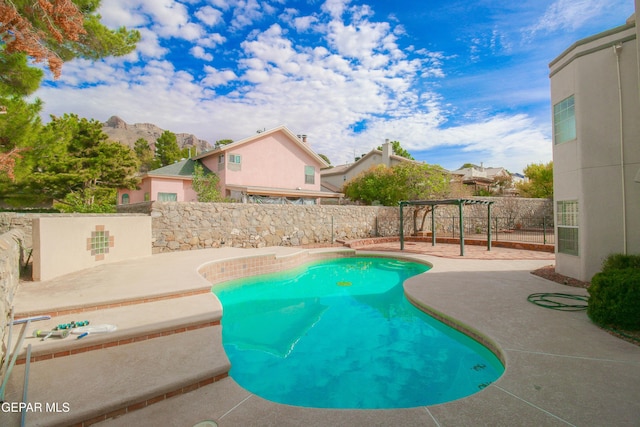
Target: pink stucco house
<point>274,166</point>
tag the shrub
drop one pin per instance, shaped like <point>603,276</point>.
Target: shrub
<point>614,298</point>
<point>620,262</point>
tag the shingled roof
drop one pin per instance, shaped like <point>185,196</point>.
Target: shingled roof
<point>184,168</point>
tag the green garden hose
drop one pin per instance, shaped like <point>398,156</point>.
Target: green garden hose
<point>549,300</point>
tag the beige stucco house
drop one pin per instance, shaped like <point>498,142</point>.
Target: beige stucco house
<point>481,178</point>
<point>596,149</point>
<point>334,178</point>
<point>274,166</point>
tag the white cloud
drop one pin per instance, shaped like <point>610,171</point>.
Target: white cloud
<point>567,15</point>
<point>354,71</point>
<point>149,46</point>
<point>221,4</point>
<point>211,40</point>
<point>246,12</point>
<point>216,77</point>
<point>335,7</point>
<point>210,16</point>
<point>304,23</point>
<point>357,41</point>
<point>200,53</point>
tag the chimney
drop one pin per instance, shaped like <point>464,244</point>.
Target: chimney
<point>386,153</point>
<point>304,138</point>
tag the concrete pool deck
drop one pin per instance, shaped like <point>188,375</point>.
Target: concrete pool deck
<point>560,368</point>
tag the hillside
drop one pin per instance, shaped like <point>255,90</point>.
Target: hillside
<point>119,130</point>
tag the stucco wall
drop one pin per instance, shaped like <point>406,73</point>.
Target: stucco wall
<point>154,185</point>
<point>371,159</point>
<point>63,244</point>
<point>284,167</point>
<point>597,168</point>
<point>10,259</point>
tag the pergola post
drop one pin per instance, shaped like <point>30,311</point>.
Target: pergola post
<point>489,227</point>
<point>433,225</point>
<point>401,228</point>
<point>461,216</point>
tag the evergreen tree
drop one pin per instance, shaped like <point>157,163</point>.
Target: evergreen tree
<point>17,78</point>
<point>19,121</point>
<point>167,150</point>
<point>144,154</point>
<point>50,31</point>
<point>75,164</point>
<point>56,31</point>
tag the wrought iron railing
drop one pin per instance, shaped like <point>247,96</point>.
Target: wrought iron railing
<point>527,229</point>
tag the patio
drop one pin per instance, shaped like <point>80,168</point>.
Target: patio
<point>560,368</point>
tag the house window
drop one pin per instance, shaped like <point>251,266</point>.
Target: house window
<point>221,159</point>
<point>564,121</point>
<point>309,175</point>
<point>167,197</point>
<point>567,223</point>
<point>234,162</point>
<point>125,199</point>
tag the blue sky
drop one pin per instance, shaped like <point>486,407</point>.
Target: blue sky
<point>453,81</point>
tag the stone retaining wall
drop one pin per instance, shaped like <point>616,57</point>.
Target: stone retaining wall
<point>19,221</point>
<point>11,255</point>
<point>185,226</point>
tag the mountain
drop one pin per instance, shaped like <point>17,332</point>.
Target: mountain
<point>119,130</point>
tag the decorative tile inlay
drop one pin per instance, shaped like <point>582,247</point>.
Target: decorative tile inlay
<point>100,242</point>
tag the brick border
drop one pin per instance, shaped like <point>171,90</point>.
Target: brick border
<point>147,402</point>
<point>114,343</point>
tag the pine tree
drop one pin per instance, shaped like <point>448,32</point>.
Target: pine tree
<point>55,31</point>
<point>75,164</point>
<point>167,149</point>
<point>144,154</point>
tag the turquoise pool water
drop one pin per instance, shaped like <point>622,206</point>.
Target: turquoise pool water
<point>341,334</point>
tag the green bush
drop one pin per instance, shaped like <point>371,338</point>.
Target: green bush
<point>614,298</point>
<point>620,262</point>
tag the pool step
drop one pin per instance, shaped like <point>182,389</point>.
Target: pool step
<point>134,322</point>
<point>88,387</point>
<point>103,375</point>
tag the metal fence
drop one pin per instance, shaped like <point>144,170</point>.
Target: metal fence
<point>531,229</point>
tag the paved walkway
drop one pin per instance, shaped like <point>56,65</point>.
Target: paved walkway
<point>560,368</point>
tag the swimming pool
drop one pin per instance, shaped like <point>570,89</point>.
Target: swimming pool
<point>341,334</point>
